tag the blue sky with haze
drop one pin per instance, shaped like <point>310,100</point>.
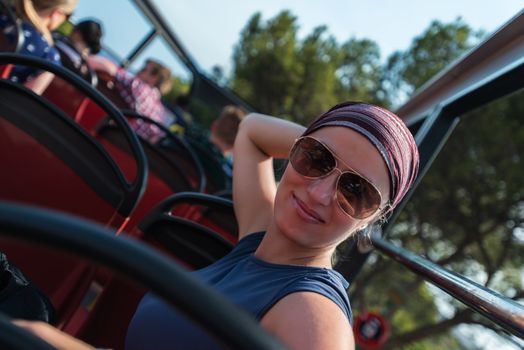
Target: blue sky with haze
<point>209,29</point>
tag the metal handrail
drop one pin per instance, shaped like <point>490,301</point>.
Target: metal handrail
<point>500,309</point>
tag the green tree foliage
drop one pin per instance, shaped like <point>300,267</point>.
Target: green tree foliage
<point>218,75</point>
<point>281,75</point>
<point>66,28</point>
<point>179,87</point>
<point>359,72</point>
<point>265,60</point>
<point>429,53</point>
<point>315,91</point>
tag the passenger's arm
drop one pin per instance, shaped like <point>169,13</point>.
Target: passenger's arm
<point>260,139</point>
<point>39,83</point>
<point>53,336</point>
<point>309,321</point>
<point>102,64</point>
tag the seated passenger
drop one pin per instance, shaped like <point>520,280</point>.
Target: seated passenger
<point>221,138</point>
<point>83,41</point>
<point>183,119</point>
<point>347,171</point>
<point>142,92</point>
<point>40,17</point>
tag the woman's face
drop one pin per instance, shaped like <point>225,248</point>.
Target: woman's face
<point>61,13</point>
<point>306,210</point>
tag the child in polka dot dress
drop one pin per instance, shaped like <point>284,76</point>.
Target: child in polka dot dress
<point>38,22</point>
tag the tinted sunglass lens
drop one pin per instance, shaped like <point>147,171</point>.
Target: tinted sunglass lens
<point>310,158</point>
<point>356,196</point>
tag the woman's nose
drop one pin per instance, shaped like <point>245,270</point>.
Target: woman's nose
<point>323,189</point>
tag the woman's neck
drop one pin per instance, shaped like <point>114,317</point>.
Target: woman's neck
<point>278,249</point>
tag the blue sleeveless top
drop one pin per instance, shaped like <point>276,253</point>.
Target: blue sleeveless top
<point>253,284</point>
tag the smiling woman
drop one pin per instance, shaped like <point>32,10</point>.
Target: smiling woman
<point>348,170</point>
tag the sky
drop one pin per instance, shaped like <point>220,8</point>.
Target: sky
<point>209,29</point>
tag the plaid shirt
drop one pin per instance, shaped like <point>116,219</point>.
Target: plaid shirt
<point>145,100</point>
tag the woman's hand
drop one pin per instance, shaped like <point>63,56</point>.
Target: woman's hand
<point>53,336</point>
<point>102,64</point>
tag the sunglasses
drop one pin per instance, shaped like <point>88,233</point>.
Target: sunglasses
<point>356,195</point>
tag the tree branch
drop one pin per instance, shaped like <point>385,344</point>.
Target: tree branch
<point>463,316</point>
<point>365,279</point>
<point>487,260</point>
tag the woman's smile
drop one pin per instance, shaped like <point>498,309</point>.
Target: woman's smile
<point>306,212</point>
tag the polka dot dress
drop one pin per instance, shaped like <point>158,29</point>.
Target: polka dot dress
<point>34,44</point>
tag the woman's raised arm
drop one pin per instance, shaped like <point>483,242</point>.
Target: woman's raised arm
<point>260,138</point>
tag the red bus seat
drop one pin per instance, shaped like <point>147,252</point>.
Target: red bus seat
<point>189,243</point>
<point>217,179</point>
<point>175,150</point>
<point>166,175</point>
<point>66,97</point>
<point>50,161</point>
<point>77,105</point>
<point>178,149</point>
<point>5,71</point>
<point>215,213</point>
<point>92,114</point>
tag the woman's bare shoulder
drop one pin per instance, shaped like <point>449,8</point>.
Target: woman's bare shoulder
<point>308,320</point>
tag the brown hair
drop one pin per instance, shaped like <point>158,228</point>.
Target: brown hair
<point>226,125</point>
<point>164,76</point>
<point>91,32</point>
<point>29,10</point>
